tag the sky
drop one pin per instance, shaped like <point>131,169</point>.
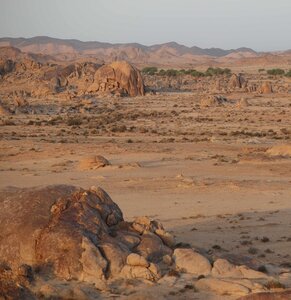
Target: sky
<point>264,25</point>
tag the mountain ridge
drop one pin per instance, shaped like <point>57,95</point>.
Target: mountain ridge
<point>80,46</point>
<point>166,55</point>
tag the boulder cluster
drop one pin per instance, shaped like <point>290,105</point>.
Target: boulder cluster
<point>119,78</point>
<point>69,233</point>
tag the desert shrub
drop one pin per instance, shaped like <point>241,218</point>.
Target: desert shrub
<point>261,70</point>
<point>274,285</point>
<point>54,121</point>
<point>288,74</point>
<point>150,70</point>
<point>192,72</point>
<point>162,72</point>
<point>172,72</point>
<point>8,123</point>
<point>196,73</point>
<point>74,121</point>
<point>217,71</point>
<point>276,72</point>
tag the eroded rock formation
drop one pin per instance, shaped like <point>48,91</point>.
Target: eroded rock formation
<point>66,242</point>
<point>120,78</point>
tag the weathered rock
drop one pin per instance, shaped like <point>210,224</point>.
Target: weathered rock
<point>11,288</point>
<point>151,272</point>
<point>221,287</point>
<point>3,110</point>
<point>93,163</point>
<point>212,101</point>
<point>152,247</point>
<point>62,216</point>
<point>134,259</point>
<point>166,237</point>
<point>266,88</point>
<point>282,295</point>
<point>279,150</point>
<point>223,268</point>
<point>116,254</point>
<point>94,264</point>
<point>189,261</point>
<point>237,81</point>
<point>75,234</point>
<point>118,77</point>
<point>6,66</point>
<point>243,102</point>
<point>130,239</point>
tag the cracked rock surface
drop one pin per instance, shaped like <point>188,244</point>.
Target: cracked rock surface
<point>66,242</point>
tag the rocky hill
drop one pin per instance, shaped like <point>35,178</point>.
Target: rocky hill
<point>164,55</point>
<point>167,53</point>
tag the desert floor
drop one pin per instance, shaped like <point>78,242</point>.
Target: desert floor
<point>205,173</point>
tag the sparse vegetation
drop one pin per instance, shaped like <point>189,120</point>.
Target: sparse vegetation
<point>274,285</point>
<point>276,71</point>
<point>74,121</point>
<point>173,72</point>
<point>150,70</point>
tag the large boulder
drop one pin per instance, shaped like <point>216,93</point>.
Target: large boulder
<point>222,287</point>
<point>65,226</point>
<point>187,260</point>
<point>119,77</point>
<point>64,242</point>
<point>224,269</point>
<point>76,234</point>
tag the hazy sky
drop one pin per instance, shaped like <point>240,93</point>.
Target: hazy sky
<point>259,24</point>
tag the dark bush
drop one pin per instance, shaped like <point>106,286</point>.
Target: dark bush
<point>150,70</point>
<point>276,72</point>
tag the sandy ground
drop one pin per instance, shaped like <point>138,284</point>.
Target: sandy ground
<point>204,173</point>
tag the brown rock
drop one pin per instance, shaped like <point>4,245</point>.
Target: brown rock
<point>94,264</point>
<point>118,77</point>
<point>243,102</point>
<point>134,259</point>
<point>223,268</point>
<point>152,247</point>
<point>66,224</point>
<point>279,151</point>
<point>191,262</point>
<point>266,88</point>
<point>237,81</point>
<point>221,287</point>
<point>212,101</point>
<point>283,295</point>
<point>93,163</point>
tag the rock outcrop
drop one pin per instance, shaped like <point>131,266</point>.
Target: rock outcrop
<point>119,78</point>
<point>237,81</point>
<point>6,66</point>
<point>266,88</point>
<point>93,162</point>
<point>77,234</point>
<point>212,101</point>
<point>71,243</point>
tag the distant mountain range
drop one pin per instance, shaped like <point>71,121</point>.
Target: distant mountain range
<point>166,54</point>
<point>57,46</point>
